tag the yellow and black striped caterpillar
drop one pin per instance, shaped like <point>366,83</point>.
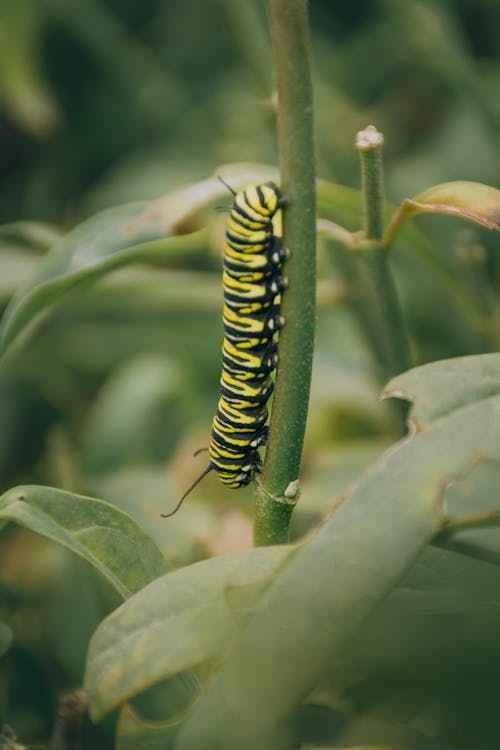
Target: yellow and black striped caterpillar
<point>253,282</point>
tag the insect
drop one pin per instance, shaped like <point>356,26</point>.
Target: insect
<point>252,283</point>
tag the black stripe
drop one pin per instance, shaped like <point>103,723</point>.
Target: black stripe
<point>235,239</point>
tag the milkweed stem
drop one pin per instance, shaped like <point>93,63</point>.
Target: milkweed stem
<point>273,508</point>
<point>388,320</point>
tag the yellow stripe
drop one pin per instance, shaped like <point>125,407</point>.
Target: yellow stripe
<point>247,289</point>
<point>244,324</point>
<point>243,201</point>
<point>238,416</point>
<point>251,259</point>
<point>242,387</point>
<point>232,351</point>
<point>247,228</point>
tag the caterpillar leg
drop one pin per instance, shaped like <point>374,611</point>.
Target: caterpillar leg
<point>261,438</point>
<point>278,284</point>
<point>274,321</point>
<point>277,253</point>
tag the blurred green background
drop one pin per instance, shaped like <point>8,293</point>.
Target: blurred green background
<point>105,101</point>
<point>108,101</point>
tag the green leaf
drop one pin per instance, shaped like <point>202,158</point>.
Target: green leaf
<point>102,535</point>
<point>332,473</point>
<point>109,240</point>
<point>334,581</point>
<point>473,526</point>
<point>443,582</point>
<point>33,235</point>
<point>177,622</point>
<point>468,200</point>
<point>440,388</point>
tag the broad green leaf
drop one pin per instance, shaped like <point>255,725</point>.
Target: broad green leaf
<point>335,581</point>
<point>331,474</point>
<point>439,388</point>
<point>101,534</point>
<point>443,582</point>
<point>109,240</point>
<point>177,622</point>
<point>111,542</point>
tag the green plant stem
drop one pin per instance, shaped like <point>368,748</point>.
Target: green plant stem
<point>481,520</point>
<point>276,493</point>
<point>388,319</point>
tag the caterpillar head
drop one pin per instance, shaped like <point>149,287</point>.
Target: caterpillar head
<point>270,197</point>
<point>261,201</point>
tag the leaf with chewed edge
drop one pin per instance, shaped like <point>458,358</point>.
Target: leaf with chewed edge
<point>334,581</point>
<point>439,388</point>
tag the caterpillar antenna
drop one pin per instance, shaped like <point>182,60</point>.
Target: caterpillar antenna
<point>190,489</point>
<point>200,450</point>
<point>226,184</point>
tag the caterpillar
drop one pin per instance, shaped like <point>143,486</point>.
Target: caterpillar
<point>252,284</point>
